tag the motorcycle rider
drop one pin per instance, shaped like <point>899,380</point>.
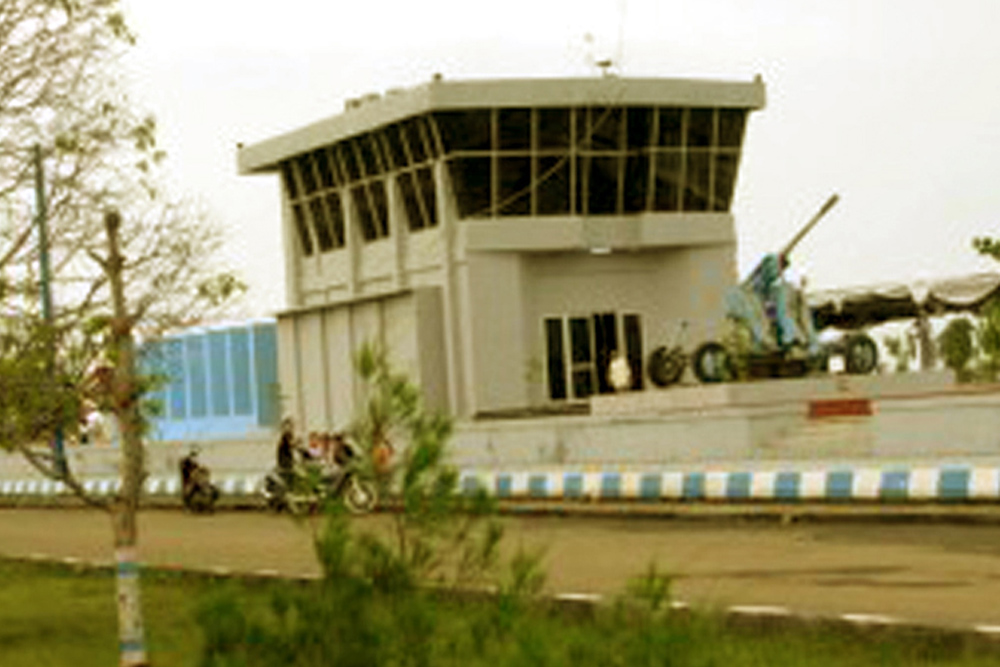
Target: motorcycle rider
<point>188,465</point>
<point>285,454</point>
<point>195,479</point>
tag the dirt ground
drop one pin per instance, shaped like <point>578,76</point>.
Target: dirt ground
<point>931,573</point>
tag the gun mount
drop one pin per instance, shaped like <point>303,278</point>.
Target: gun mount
<point>779,325</point>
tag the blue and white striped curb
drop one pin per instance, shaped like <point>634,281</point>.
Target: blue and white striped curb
<point>236,485</point>
<point>945,483</point>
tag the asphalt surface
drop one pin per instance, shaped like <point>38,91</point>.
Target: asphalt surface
<point>933,573</point>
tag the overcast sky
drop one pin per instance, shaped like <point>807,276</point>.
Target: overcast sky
<point>893,104</point>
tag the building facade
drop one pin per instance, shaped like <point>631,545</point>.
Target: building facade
<point>504,240</point>
<point>217,383</point>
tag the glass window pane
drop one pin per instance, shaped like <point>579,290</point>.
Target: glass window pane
<point>696,193</point>
<point>377,147</point>
<point>320,224</point>
<point>217,354</point>
<point>322,160</point>
<point>178,386</point>
<point>339,177</point>
<point>633,348</point>
<point>731,127</point>
<point>349,160</point>
<point>556,359</point>
<point>582,178</point>
<point>425,180</point>
<point>368,159</point>
<point>671,127</point>
<point>552,190</point>
<point>605,344</point>
<point>471,179</point>
<point>239,360</point>
<point>667,178</point>
<point>197,376</point>
<point>515,186</point>
<point>636,183</point>
<point>639,121</point>
<point>366,222</point>
<point>414,216</point>
<point>336,214</point>
<point>396,146</point>
<point>465,130</point>
<point>430,132</point>
<point>306,175</point>
<point>415,140</point>
<point>582,138</point>
<point>291,187</point>
<point>515,129</point>
<point>302,228</point>
<point>603,186</point>
<point>381,204</point>
<point>699,133</point>
<point>605,128</point>
<point>583,383</point>
<point>725,179</point>
<point>579,339</point>
<point>553,129</point>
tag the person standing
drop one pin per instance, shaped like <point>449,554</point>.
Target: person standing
<point>285,454</point>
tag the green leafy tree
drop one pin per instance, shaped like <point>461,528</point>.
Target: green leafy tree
<point>902,349</point>
<point>74,152</point>
<point>957,347</point>
<point>988,337</point>
<point>384,595</point>
<point>439,534</point>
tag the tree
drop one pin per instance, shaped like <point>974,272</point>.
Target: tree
<point>957,346</point>
<point>70,136</point>
<point>440,535</point>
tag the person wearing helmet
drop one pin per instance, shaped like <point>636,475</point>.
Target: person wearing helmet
<point>188,465</point>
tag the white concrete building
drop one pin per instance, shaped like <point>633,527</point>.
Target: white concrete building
<point>504,239</point>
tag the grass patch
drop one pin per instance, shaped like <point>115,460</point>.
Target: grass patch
<point>63,615</point>
<point>60,615</point>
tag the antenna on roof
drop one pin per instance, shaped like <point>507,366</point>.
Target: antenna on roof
<point>606,65</point>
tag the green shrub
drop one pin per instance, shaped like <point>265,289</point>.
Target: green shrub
<point>958,347</point>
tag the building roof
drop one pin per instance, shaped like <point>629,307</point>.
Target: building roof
<point>863,306</point>
<point>373,111</point>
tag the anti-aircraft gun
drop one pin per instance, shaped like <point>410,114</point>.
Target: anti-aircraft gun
<point>775,326</point>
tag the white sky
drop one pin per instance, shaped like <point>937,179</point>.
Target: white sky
<point>893,104</point>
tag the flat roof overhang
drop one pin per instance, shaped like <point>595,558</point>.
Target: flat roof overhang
<point>375,111</point>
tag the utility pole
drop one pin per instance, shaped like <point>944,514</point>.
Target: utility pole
<point>41,210</point>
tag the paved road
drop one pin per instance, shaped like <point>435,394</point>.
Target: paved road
<point>929,573</point>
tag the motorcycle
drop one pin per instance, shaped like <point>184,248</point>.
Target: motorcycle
<point>310,485</point>
<point>197,491</point>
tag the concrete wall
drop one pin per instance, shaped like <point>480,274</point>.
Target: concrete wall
<point>318,347</point>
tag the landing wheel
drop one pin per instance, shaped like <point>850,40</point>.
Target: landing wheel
<point>860,354</point>
<point>665,367</point>
<point>712,363</point>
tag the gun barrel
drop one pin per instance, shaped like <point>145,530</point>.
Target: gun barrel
<point>824,209</point>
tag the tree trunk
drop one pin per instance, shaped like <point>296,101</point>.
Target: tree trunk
<point>131,637</point>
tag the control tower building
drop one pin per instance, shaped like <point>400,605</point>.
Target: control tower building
<point>504,239</point>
